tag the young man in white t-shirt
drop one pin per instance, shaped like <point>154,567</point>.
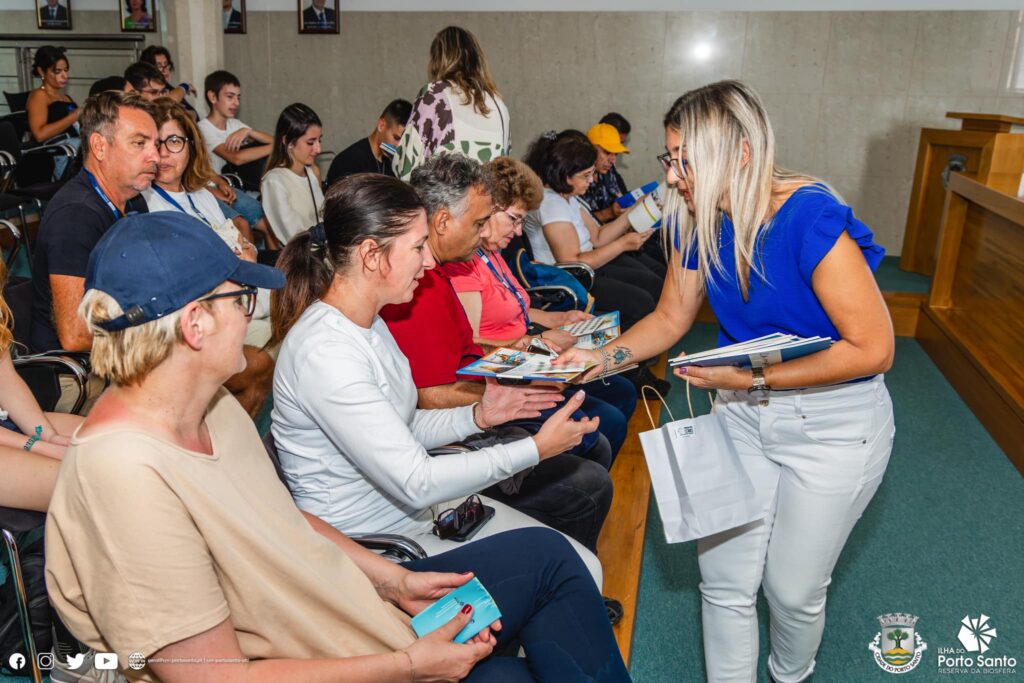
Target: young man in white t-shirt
<point>224,135</point>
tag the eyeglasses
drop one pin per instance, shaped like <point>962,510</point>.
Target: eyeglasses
<point>678,166</point>
<point>585,175</point>
<point>453,520</point>
<point>155,92</point>
<point>173,143</point>
<point>246,298</point>
<point>516,220</point>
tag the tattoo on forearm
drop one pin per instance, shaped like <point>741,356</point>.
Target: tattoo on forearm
<point>620,354</point>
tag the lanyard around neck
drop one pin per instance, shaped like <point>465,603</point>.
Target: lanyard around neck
<point>170,200</point>
<point>506,284</point>
<point>103,195</point>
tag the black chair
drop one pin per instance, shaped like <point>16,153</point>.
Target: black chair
<point>31,602</point>
<point>33,167</point>
<point>10,239</point>
<point>558,297</point>
<point>392,546</point>
<point>42,371</point>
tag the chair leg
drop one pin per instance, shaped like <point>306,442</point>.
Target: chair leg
<point>22,599</point>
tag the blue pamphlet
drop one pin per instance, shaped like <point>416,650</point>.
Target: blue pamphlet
<point>630,198</point>
<point>485,612</point>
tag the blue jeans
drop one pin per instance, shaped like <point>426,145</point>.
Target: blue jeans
<point>245,206</point>
<point>614,403</point>
<point>548,603</point>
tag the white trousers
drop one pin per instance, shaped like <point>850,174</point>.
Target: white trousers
<point>816,457</point>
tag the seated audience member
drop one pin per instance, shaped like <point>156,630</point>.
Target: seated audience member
<point>352,443</point>
<point>290,189</point>
<point>563,230</point>
<point>180,185</point>
<point>160,57</point>
<point>146,80</point>
<point>433,333</point>
<point>225,138</point>
<point>32,442</point>
<point>51,111</point>
<point>367,154</point>
<point>608,185</point>
<point>119,83</point>
<point>460,110</point>
<point>119,161</point>
<point>498,308</point>
<point>219,576</point>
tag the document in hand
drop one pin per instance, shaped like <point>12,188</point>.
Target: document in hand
<point>485,612</point>
<point>598,322</point>
<point>596,340</point>
<point>630,198</point>
<point>506,363</point>
<point>767,350</point>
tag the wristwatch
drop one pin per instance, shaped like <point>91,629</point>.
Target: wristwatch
<point>759,387</point>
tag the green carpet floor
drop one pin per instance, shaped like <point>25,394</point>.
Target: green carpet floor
<point>891,279</point>
<point>942,539</point>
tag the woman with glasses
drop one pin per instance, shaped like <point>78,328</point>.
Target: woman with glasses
<point>181,185</point>
<point>773,251</point>
<point>498,308</point>
<point>291,191</point>
<point>562,230</point>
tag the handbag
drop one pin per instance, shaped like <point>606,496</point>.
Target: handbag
<point>700,486</point>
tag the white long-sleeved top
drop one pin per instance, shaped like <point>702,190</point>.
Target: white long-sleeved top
<point>351,441</point>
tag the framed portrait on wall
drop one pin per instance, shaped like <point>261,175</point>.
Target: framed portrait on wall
<point>234,15</point>
<point>319,16</point>
<point>53,14</point>
<point>138,15</point>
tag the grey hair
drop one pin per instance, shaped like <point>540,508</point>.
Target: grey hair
<point>444,181</point>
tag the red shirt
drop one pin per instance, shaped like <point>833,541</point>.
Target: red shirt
<point>433,331</point>
<point>501,316</point>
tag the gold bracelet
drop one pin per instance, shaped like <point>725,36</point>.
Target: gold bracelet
<point>412,669</point>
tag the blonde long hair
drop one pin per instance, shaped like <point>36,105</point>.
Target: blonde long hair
<point>456,57</point>
<point>6,319</point>
<point>713,122</point>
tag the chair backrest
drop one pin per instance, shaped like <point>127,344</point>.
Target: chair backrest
<point>268,443</point>
<point>9,139</point>
<point>17,101</point>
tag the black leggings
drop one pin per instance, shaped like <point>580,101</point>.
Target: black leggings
<point>629,283</point>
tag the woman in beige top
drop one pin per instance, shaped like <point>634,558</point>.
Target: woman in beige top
<point>172,543</point>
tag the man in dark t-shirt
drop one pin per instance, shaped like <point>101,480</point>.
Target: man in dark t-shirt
<point>366,155</point>
<point>119,148</point>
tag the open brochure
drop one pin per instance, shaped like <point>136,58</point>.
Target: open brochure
<point>511,364</point>
<point>767,350</point>
<point>591,325</point>
<point>596,340</point>
<point>630,198</point>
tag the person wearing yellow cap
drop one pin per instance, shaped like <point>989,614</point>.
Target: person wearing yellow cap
<point>607,186</point>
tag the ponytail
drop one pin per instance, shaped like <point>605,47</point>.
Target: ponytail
<point>308,274</point>
<point>557,156</point>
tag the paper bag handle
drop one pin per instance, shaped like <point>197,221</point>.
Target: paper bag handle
<point>643,395</point>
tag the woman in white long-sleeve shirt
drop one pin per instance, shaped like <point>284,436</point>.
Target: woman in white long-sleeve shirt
<point>290,190</point>
<point>352,443</point>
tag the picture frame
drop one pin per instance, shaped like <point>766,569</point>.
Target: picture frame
<point>319,16</point>
<point>139,16</point>
<point>53,15</point>
<point>234,16</point>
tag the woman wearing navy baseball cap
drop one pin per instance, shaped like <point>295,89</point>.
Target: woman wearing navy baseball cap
<point>171,542</point>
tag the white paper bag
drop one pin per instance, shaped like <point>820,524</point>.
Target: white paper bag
<point>699,484</point>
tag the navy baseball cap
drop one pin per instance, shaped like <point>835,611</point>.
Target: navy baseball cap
<point>153,264</point>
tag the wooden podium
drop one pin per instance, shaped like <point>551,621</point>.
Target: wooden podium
<point>988,148</point>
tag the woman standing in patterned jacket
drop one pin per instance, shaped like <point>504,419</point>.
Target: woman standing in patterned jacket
<point>460,110</point>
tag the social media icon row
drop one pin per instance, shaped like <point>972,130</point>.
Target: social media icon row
<point>44,660</point>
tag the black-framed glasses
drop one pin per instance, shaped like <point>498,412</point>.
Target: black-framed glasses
<point>173,143</point>
<point>677,165</point>
<point>516,220</point>
<point>246,298</point>
<point>453,520</point>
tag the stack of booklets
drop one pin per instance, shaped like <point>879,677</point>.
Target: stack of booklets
<point>505,363</point>
<point>595,332</point>
<point>767,350</point>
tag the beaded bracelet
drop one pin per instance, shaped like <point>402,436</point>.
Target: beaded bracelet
<point>35,437</point>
